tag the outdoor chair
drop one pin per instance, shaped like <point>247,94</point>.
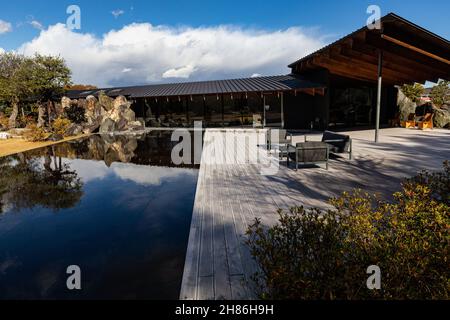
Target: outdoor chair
<point>337,143</point>
<point>410,122</point>
<point>311,152</point>
<point>277,137</point>
<point>426,122</point>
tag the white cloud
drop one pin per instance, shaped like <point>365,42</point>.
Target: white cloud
<point>2,50</point>
<point>155,53</point>
<point>256,75</point>
<point>147,175</point>
<point>5,26</point>
<point>36,24</point>
<point>125,70</point>
<point>117,13</point>
<point>183,72</point>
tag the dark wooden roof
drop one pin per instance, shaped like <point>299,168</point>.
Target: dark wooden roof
<point>256,84</point>
<point>410,54</point>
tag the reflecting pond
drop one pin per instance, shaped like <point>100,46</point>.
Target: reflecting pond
<point>116,206</point>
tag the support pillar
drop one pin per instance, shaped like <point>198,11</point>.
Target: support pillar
<point>380,81</point>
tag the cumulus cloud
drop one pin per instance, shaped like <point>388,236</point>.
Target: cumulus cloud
<point>117,13</point>
<point>5,26</point>
<point>2,50</point>
<point>154,54</point>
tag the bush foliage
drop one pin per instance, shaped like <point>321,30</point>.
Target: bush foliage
<point>60,126</point>
<point>413,91</point>
<point>313,254</point>
<point>35,133</point>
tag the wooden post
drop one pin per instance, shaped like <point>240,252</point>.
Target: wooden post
<point>380,81</point>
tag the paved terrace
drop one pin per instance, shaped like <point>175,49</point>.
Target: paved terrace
<point>229,197</point>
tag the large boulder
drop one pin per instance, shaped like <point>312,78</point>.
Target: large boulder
<point>121,124</point>
<point>94,111</point>
<point>66,102</point>
<point>442,117</point>
<point>108,125</point>
<point>406,106</point>
<point>106,102</point>
<point>129,115</point>
<point>121,101</point>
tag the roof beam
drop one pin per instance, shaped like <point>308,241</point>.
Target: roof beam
<point>370,67</point>
<point>398,58</point>
<point>355,71</point>
<point>347,51</point>
<point>413,48</point>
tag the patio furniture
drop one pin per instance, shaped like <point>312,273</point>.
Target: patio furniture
<point>410,122</point>
<point>337,143</point>
<point>311,152</point>
<point>276,137</point>
<point>426,122</point>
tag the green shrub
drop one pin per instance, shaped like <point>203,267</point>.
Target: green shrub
<point>76,114</point>
<point>312,254</point>
<point>60,126</point>
<point>35,134</point>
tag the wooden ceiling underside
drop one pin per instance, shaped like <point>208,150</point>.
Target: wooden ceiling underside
<point>356,57</point>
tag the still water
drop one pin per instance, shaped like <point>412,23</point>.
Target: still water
<point>116,207</point>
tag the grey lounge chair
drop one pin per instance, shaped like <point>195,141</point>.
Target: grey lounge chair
<point>312,152</point>
<point>338,143</point>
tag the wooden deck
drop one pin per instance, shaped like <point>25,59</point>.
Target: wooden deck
<point>230,195</point>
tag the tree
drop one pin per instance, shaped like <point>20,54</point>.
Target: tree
<point>413,91</point>
<point>50,78</point>
<point>15,81</point>
<point>440,92</point>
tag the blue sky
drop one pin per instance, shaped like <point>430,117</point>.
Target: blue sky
<point>323,21</point>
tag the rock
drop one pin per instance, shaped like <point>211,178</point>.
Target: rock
<point>135,126</point>
<point>129,115</point>
<point>94,111</point>
<point>121,101</point>
<point>41,116</point>
<point>108,125</point>
<point>55,137</point>
<point>117,113</point>
<point>106,102</point>
<point>65,102</point>
<point>121,124</point>
<point>91,128</point>
<point>405,105</point>
<point>74,130</point>
<point>442,117</point>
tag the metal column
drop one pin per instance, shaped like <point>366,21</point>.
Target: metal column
<point>380,81</point>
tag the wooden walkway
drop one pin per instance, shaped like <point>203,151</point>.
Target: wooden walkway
<point>231,194</point>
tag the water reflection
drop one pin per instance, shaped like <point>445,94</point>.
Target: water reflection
<point>115,206</point>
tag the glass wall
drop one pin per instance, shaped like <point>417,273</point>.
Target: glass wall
<point>237,110</point>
